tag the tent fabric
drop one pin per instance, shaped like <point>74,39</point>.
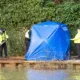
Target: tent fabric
<point>49,41</point>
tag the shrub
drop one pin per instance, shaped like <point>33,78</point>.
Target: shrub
<point>17,14</point>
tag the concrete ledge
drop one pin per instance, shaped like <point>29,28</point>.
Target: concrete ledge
<point>19,62</point>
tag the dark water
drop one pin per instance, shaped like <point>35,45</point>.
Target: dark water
<point>31,74</point>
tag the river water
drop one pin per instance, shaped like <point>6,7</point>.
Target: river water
<point>32,74</point>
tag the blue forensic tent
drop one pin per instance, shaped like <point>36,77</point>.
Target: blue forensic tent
<point>49,41</point>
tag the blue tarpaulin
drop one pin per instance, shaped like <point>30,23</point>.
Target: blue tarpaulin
<point>49,41</point>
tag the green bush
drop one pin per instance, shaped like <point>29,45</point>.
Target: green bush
<point>17,14</point>
<point>16,42</point>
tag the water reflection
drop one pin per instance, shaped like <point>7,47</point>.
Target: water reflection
<point>47,74</point>
<point>12,74</point>
<point>75,75</point>
<point>31,74</point>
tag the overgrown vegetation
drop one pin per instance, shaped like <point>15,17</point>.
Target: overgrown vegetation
<point>16,15</point>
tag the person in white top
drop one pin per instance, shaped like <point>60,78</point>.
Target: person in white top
<point>27,40</point>
<point>27,34</point>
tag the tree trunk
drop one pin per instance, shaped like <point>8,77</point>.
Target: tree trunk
<point>58,1</point>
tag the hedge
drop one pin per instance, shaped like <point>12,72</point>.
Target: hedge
<point>16,15</point>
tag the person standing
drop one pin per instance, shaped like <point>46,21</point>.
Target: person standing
<point>3,46</point>
<point>27,39</point>
<point>76,40</point>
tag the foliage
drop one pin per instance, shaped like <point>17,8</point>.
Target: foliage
<point>15,15</point>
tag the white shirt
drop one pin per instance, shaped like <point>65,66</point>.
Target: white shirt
<point>27,34</point>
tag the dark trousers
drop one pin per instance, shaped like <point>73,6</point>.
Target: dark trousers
<point>78,49</point>
<point>27,43</point>
<point>3,47</point>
